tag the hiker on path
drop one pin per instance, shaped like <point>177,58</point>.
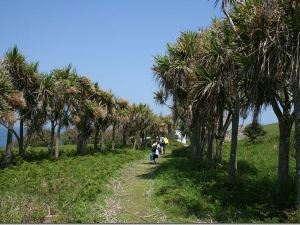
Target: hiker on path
<point>166,142</point>
<point>154,151</point>
<point>162,145</point>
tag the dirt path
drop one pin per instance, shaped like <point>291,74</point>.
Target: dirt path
<point>132,199</point>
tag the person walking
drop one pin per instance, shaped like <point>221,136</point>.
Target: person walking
<point>162,145</point>
<point>166,142</point>
<point>154,151</point>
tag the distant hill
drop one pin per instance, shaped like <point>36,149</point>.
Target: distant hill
<point>270,128</point>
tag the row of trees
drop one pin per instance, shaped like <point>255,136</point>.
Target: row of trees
<point>238,65</point>
<point>31,101</point>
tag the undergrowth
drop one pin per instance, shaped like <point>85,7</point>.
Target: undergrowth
<point>190,192</point>
<point>186,190</point>
<point>39,190</point>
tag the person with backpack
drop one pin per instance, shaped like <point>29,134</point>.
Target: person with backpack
<point>154,151</point>
<point>162,145</point>
<point>166,142</point>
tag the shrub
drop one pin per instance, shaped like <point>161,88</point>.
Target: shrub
<point>40,140</point>
<point>253,131</point>
<point>69,136</point>
<point>293,216</point>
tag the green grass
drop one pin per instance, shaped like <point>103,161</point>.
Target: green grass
<point>190,192</point>
<point>71,186</point>
<point>74,187</point>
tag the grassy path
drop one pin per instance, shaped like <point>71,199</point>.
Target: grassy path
<point>132,198</point>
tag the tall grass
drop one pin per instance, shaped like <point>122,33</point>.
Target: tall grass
<point>64,191</point>
<point>190,192</point>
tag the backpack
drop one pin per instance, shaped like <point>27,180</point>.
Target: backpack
<point>151,156</point>
<point>154,147</point>
<point>166,141</point>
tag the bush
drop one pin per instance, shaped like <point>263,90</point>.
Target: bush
<point>69,137</point>
<point>293,216</point>
<point>40,140</point>
<point>253,131</point>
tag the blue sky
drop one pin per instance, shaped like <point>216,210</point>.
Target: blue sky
<point>111,41</point>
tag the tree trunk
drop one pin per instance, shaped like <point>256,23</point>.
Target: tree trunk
<point>136,141</point>
<point>219,149</point>
<point>219,144</point>
<point>202,141</point>
<point>210,151</point>
<point>113,137</point>
<point>197,140</point>
<point>96,138</point>
<point>195,143</point>
<point>124,142</point>
<point>285,127</point>
<point>81,144</point>
<point>57,141</point>
<point>51,145</point>
<point>255,116</point>
<point>296,97</point>
<point>102,141</point>
<point>285,120</point>
<point>144,142</point>
<point>21,138</point>
<point>234,139</point>
<point>221,136</point>
<point>9,146</point>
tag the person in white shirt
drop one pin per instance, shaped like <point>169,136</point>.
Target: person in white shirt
<point>162,145</point>
<point>154,151</point>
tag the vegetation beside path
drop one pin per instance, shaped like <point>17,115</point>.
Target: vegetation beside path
<point>132,200</point>
<point>134,194</point>
<point>181,191</point>
<point>188,192</point>
<point>123,186</point>
<point>60,191</point>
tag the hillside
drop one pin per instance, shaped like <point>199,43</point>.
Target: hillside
<point>68,190</point>
<point>190,193</point>
<point>122,186</point>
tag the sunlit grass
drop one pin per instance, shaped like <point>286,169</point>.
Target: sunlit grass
<point>72,186</point>
<point>190,192</point>
<point>68,186</point>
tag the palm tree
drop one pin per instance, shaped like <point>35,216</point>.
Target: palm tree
<point>47,94</point>
<point>174,74</point>
<point>225,4</point>
<point>6,88</point>
<point>31,116</point>
<point>124,123</point>
<point>216,72</point>
<point>102,113</point>
<point>6,116</point>
<point>120,116</point>
<point>290,21</point>
<point>267,82</point>
<point>106,103</point>
<point>26,80</point>
<point>57,92</point>
<point>198,71</point>
<point>15,64</point>
<point>84,110</point>
<point>141,119</point>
